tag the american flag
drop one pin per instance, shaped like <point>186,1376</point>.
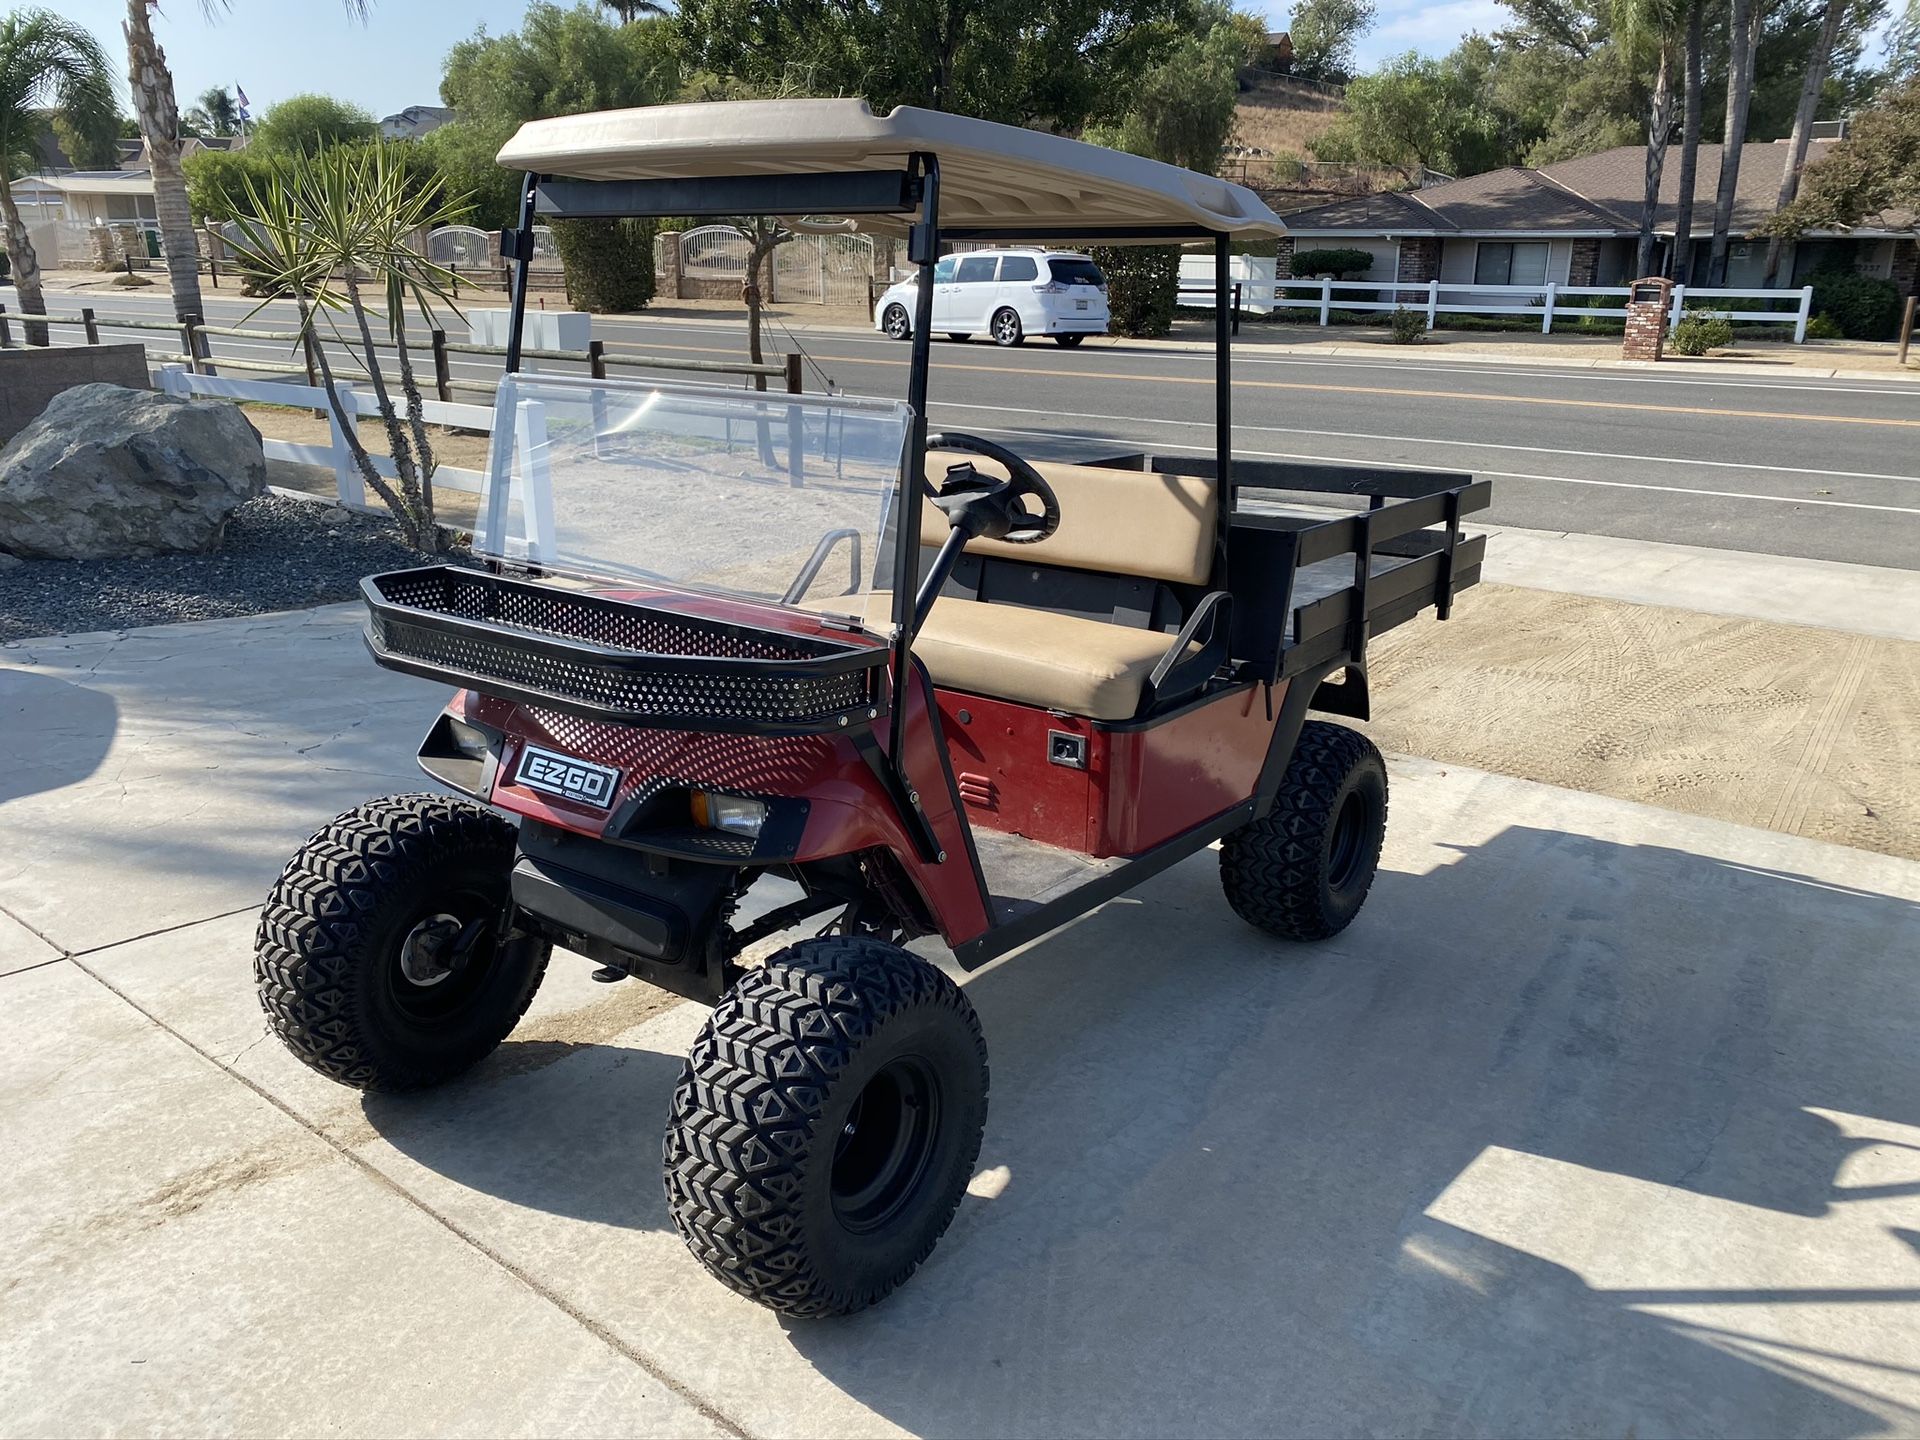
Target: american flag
<point>241,96</point>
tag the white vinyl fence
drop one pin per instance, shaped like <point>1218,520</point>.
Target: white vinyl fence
<point>1322,297</point>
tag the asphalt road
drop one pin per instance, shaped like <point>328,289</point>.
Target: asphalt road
<point>1821,468</point>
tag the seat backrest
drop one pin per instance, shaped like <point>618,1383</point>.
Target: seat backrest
<point>1118,522</point>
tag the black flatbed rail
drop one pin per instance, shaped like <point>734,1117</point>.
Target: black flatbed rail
<point>628,661</point>
<point>1309,587</point>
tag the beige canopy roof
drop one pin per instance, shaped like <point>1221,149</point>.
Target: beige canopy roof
<point>991,175</point>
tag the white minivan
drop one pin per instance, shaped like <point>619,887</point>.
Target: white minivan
<point>1007,294</point>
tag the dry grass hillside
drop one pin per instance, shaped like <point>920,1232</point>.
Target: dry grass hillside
<point>1280,117</point>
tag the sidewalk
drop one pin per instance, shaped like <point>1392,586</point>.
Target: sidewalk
<point>1600,1119</point>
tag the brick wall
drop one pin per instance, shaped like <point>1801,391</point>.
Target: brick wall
<point>1283,258</point>
<point>1646,331</point>
<point>1419,259</point>
<point>1583,268</point>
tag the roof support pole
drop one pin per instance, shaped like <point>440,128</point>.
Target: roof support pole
<point>522,260</point>
<point>923,250</point>
<point>1222,396</point>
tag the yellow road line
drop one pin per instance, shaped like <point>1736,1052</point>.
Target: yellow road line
<point>1389,390</point>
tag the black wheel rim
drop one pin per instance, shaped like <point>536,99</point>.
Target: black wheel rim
<point>884,1145</point>
<point>1349,842</point>
<point>471,956</point>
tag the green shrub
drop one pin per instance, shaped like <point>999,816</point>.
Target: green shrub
<point>1864,308</point>
<point>1340,264</point>
<point>608,263</point>
<point>1409,326</point>
<point>1825,327</point>
<point>1699,332</point>
<point>1142,282</point>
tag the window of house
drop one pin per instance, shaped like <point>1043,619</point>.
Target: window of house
<point>1515,262</point>
<point>1019,267</point>
<point>977,269</point>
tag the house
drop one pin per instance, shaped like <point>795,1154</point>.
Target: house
<point>1277,52</point>
<point>1577,222</point>
<point>59,210</point>
<point>414,121</point>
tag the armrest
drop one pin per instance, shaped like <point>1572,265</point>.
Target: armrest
<point>811,570</point>
<point>1177,671</point>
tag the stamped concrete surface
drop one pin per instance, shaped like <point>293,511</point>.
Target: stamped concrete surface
<point>1601,1119</point>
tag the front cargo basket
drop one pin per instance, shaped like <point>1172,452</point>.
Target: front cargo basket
<point>628,661</point>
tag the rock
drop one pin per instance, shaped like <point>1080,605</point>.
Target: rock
<point>106,472</point>
<point>7,562</point>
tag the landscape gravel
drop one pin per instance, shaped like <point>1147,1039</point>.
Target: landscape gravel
<point>279,554</point>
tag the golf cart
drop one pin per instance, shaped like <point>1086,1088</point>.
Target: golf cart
<point>732,666</point>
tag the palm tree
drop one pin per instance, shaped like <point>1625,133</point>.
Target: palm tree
<point>46,62</point>
<point>632,10</point>
<point>1680,258</point>
<point>216,113</point>
<point>1743,40</point>
<point>158,114</point>
<point>1810,86</point>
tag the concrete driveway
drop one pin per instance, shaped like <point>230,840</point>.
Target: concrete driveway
<point>1601,1120</point>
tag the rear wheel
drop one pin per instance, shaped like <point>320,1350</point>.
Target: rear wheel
<point>1303,870</point>
<point>894,321</point>
<point>1005,327</point>
<point>1067,342</point>
<point>379,958</point>
<point>826,1125</point>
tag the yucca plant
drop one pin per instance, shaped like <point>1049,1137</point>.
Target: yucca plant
<point>327,230</point>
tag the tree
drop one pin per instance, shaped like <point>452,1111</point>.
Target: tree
<point>560,62</point>
<point>1419,112</point>
<point>1810,88</point>
<point>324,228</point>
<point>46,62</point>
<point>1323,34</point>
<point>1183,107</point>
<point>215,113</point>
<point>1876,168</point>
<point>1060,64</point>
<point>91,141</point>
<point>158,114</point>
<point>632,10</point>
<point>1743,38</point>
<point>307,124</point>
<point>1692,102</point>
<point>1903,44</point>
<point>1652,28</point>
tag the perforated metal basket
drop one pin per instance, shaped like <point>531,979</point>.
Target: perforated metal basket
<point>634,662</point>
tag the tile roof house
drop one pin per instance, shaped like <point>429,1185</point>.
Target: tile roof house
<point>1576,222</point>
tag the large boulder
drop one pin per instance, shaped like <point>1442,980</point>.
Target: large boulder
<point>106,471</point>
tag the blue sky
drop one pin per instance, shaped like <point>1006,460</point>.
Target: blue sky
<point>277,48</point>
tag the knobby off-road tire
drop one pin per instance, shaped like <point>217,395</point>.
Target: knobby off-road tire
<point>328,952</point>
<point>1303,870</point>
<point>826,1125</point>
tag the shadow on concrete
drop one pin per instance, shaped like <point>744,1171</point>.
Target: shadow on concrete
<point>68,728</point>
<point>1242,1188</point>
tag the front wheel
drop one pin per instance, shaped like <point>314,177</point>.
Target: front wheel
<point>894,321</point>
<point>1302,871</point>
<point>1005,328</point>
<point>1067,342</point>
<point>826,1125</point>
<point>379,958</point>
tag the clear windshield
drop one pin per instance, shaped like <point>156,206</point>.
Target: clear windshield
<point>777,498</point>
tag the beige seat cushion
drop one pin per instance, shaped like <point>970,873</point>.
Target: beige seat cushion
<point>1124,522</point>
<point>1032,657</point>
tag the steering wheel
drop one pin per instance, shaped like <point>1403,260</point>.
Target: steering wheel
<point>987,507</point>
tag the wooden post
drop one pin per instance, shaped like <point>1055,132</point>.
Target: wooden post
<point>442,372</point>
<point>1433,303</point>
<point>87,323</point>
<point>187,344</point>
<point>1546,320</point>
<point>597,359</point>
<point>1906,327</point>
<point>793,372</point>
<point>6,335</point>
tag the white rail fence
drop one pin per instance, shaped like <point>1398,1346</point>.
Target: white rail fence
<point>1434,298</point>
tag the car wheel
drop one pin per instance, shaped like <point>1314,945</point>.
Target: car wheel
<point>379,958</point>
<point>1067,342</point>
<point>1005,328</point>
<point>894,321</point>
<point>1303,870</point>
<point>826,1125</point>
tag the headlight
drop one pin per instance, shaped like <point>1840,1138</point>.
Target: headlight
<point>735,814</point>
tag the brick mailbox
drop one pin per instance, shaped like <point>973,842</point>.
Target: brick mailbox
<point>1647,308</point>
